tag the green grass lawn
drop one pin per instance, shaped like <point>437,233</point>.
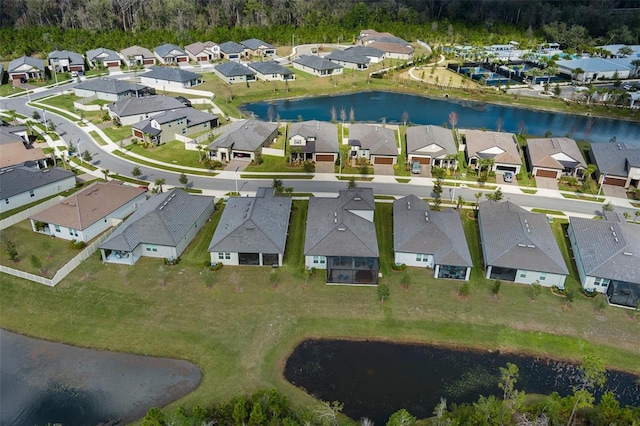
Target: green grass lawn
<point>116,134</point>
<point>62,101</point>
<point>272,163</point>
<point>171,153</point>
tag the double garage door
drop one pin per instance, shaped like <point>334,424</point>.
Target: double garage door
<point>421,160</point>
<point>546,173</point>
<point>615,181</point>
<point>383,160</point>
<point>324,157</point>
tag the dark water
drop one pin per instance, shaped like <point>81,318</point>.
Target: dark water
<point>374,106</point>
<point>375,379</point>
<point>43,382</point>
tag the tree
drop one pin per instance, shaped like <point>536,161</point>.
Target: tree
<point>405,118</point>
<point>36,263</point>
<point>636,64</point>
<point>478,195</point>
<point>86,156</point>
<point>12,251</point>
<point>136,173</point>
<point>162,274</point>
<point>453,119</point>
<point>36,115</point>
<point>569,296</point>
<point>327,414</point>
<point>592,375</point>
<point>497,195</point>
<point>495,289</point>
<point>607,207</point>
<point>158,185</point>
<point>401,418</point>
<point>240,412</point>
<point>437,191</point>
<point>273,278</point>
<point>184,181</point>
<point>334,114</point>
<point>406,280</point>
<point>536,289</point>
<point>106,174</point>
<point>277,186</point>
<point>257,417</point>
<point>352,183</point>
<point>383,292</point>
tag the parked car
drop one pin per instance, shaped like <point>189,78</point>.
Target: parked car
<point>415,167</point>
<point>508,177</point>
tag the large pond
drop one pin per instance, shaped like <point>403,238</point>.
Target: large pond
<point>47,383</point>
<point>376,106</point>
<point>375,379</point>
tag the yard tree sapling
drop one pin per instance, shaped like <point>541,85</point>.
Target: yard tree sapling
<point>401,418</point>
<point>592,375</point>
<point>184,181</point>
<point>383,292</point>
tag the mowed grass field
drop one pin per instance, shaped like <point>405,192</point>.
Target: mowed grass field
<point>239,329</point>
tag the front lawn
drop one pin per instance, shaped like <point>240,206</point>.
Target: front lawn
<point>170,153</point>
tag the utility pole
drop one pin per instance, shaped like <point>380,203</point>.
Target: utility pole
<point>236,176</point>
<point>604,176</point>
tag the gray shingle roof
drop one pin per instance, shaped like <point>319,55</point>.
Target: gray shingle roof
<point>233,69</point>
<point>73,57</point>
<point>254,44</point>
<point>325,134</point>
<point>378,140</point>
<point>171,74</point>
<point>336,226</point>
<point>110,85</point>
<point>169,50</point>
<point>356,54</point>
<point>192,115</point>
<point>137,51</point>
<point>102,54</point>
<point>33,62</point>
<point>615,159</point>
<point>602,244</point>
<point>432,140</point>
<point>231,47</point>
<point>132,106</point>
<point>245,135</point>
<point>441,235</point>
<point>20,179</point>
<point>253,224</point>
<point>482,144</point>
<point>164,219</point>
<point>553,153</point>
<point>316,62</point>
<point>199,47</point>
<point>514,238</point>
<point>270,67</point>
<point>596,64</point>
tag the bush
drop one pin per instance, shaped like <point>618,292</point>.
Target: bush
<point>400,267</point>
<point>77,245</point>
<point>438,172</point>
<point>216,267</point>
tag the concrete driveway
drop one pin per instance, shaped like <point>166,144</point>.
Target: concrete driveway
<point>325,167</point>
<point>500,179</point>
<point>240,164</point>
<point>614,191</point>
<point>546,183</point>
<point>383,169</point>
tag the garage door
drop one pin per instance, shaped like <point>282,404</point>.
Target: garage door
<point>421,160</point>
<point>615,181</point>
<point>137,133</point>
<point>506,169</point>
<point>324,157</point>
<point>19,76</point>
<point>546,173</point>
<point>383,160</point>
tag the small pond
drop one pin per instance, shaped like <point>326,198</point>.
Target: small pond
<point>375,379</point>
<point>43,382</point>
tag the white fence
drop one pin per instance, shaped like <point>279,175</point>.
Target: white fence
<point>273,151</point>
<point>25,214</point>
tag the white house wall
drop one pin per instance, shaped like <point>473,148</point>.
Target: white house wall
<point>409,259</point>
<point>308,262</point>
<point>161,84</point>
<point>530,277</point>
<point>162,252</point>
<point>232,261</point>
<point>44,191</point>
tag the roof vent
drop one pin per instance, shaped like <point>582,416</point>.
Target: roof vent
<point>531,246</point>
<point>614,234</point>
<point>408,205</point>
<point>357,198</point>
<point>616,238</point>
<point>161,207</point>
<point>342,228</point>
<point>522,245</point>
<point>335,220</point>
<point>611,228</point>
<point>626,253</point>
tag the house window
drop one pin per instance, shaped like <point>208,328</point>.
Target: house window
<point>603,282</point>
<point>543,276</point>
<point>57,227</point>
<point>224,256</point>
<point>523,274</point>
<point>152,249</point>
<point>180,121</point>
<point>319,260</point>
<point>31,194</point>
<point>422,257</point>
<point>6,201</point>
<point>73,232</point>
<point>205,124</point>
<point>169,124</point>
<point>184,130</point>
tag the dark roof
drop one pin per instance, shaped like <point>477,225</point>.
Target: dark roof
<point>515,238</point>
<point>378,140</point>
<point>231,47</point>
<point>33,62</point>
<point>270,67</point>
<point>132,106</point>
<point>324,133</point>
<point>430,140</point>
<point>110,85</point>
<point>16,180</point>
<point>417,229</point>
<point>245,135</point>
<point>254,44</point>
<point>316,62</point>
<point>615,159</point>
<point>192,115</point>
<point>607,249</point>
<point>253,224</point>
<point>233,69</point>
<point>341,226</point>
<point>355,54</point>
<point>169,50</point>
<point>73,57</point>
<point>171,74</point>
<point>165,219</point>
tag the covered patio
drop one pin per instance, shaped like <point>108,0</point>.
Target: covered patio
<point>624,294</point>
<point>352,270</point>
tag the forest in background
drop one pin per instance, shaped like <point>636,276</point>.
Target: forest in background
<point>32,27</point>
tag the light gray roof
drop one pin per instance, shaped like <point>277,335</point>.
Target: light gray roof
<point>615,159</point>
<point>199,47</point>
<point>102,54</point>
<point>432,140</point>
<point>596,64</point>
<point>192,115</point>
<point>171,74</point>
<point>417,229</point>
<point>17,180</point>
<point>137,51</point>
<point>254,44</point>
<point>555,153</point>
<point>169,50</point>
<point>607,249</point>
<point>324,133</point>
<point>73,57</point>
<point>231,47</point>
<point>253,224</point>
<point>245,135</point>
<point>316,62</point>
<point>270,67</point>
<point>355,54</point>
<point>500,146</point>
<point>378,140</point>
<point>110,85</point>
<point>164,219</point>
<point>336,226</point>
<point>132,106</point>
<point>33,62</point>
<point>233,69</point>
<point>515,238</point>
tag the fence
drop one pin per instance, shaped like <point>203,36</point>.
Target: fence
<point>273,151</point>
<point>25,214</point>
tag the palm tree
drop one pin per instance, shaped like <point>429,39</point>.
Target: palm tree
<point>478,195</point>
<point>636,64</point>
<point>576,72</point>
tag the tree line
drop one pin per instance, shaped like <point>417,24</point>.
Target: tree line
<point>30,26</point>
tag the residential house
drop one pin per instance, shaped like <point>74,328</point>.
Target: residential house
<point>132,110</point>
<point>66,61</point>
<point>394,47</point>
<point>16,150</point>
<point>102,57</point>
<point>161,227</point>
<point>88,213</point>
<point>234,72</point>
<point>242,139</point>
<point>203,51</point>
<point>176,124</point>
<point>167,78</point>
<point>341,237</point>
<point>607,255</point>
<point>231,51</point>
<point>110,89</point>
<point>500,147</point>
<point>589,70</point>
<point>314,141</point>
<point>170,54</point>
<point>25,68</point>
<point>356,57</point>
<point>136,56</point>
<point>431,145</point>
<point>255,47</point>
<point>24,185</point>
<point>252,230</point>
<point>317,66</point>
<point>271,70</point>
<point>618,164</point>
<point>374,143</point>
<point>554,157</point>
<point>430,239</point>
<point>519,246</point>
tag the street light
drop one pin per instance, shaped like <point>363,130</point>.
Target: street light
<point>78,150</point>
<point>455,183</point>
<point>236,176</point>
<point>604,176</point>
<point>28,93</point>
